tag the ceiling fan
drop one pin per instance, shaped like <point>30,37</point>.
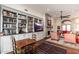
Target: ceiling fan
<point>57,13</point>
<point>66,16</point>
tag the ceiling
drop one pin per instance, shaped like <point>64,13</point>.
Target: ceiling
<point>54,9</point>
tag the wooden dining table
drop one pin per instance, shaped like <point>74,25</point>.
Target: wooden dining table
<point>24,42</point>
<point>21,44</point>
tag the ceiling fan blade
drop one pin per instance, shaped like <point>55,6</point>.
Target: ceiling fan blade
<point>65,16</point>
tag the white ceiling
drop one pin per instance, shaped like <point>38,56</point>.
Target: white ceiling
<point>54,9</point>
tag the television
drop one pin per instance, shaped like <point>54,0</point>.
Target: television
<point>38,27</point>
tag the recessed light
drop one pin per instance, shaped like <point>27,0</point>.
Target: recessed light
<point>48,9</point>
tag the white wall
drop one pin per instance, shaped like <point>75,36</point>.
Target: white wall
<point>56,22</point>
<point>6,44</point>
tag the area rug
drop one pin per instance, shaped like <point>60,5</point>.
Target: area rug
<point>47,48</point>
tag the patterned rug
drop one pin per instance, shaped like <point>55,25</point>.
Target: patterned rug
<point>48,48</point>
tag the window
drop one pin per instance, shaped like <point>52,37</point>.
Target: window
<point>66,27</point>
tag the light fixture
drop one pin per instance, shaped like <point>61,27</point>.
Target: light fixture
<point>26,10</point>
<point>48,9</point>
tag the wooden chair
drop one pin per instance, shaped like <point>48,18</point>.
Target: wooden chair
<point>36,44</point>
<point>34,36</point>
<point>19,45</point>
<point>14,45</point>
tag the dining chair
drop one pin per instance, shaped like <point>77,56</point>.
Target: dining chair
<point>14,45</point>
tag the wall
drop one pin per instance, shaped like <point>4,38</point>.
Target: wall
<point>56,22</point>
<point>6,44</point>
<point>75,22</point>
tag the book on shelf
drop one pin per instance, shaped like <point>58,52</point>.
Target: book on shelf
<point>20,16</point>
<point>8,13</point>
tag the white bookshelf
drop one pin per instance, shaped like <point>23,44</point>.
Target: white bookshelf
<point>22,21</point>
<point>16,22</point>
<point>30,24</point>
<point>9,22</point>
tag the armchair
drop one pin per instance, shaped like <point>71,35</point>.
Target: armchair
<point>54,36</point>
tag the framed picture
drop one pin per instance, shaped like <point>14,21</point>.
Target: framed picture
<point>58,27</point>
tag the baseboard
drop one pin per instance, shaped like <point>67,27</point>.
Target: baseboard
<point>10,52</point>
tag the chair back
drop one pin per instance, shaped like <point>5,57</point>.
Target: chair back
<point>14,45</point>
<point>34,36</point>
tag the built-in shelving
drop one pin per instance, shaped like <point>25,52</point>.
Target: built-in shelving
<point>16,22</point>
<point>30,24</point>
<point>22,23</point>
<point>9,22</point>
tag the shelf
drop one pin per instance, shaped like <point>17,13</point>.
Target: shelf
<point>22,27</point>
<point>9,23</point>
<point>9,17</point>
<point>8,28</point>
<point>22,19</point>
<point>21,23</point>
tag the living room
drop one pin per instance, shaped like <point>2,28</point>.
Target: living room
<point>39,29</point>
